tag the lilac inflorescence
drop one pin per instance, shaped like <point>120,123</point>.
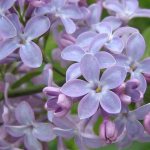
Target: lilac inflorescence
<point>106,77</point>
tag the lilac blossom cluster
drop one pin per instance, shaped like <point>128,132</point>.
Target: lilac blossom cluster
<point>106,75</point>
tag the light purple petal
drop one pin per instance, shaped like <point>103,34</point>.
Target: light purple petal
<point>16,131</point>
<point>105,60</point>
<point>110,102</point>
<point>116,45</point>
<point>66,133</point>
<point>72,53</point>
<point>85,38</point>
<point>113,77</point>
<point>134,129</point>
<point>69,25</point>
<point>142,13</point>
<point>104,27</point>
<point>73,72</point>
<point>24,113</point>
<point>43,132</point>
<point>135,46</point>
<point>36,26</point>
<point>95,13</point>
<point>144,66</point>
<point>16,22</point>
<point>88,102</point>
<point>143,85</point>
<point>7,29</point>
<point>6,4</point>
<point>122,60</point>
<point>31,143</point>
<point>113,21</point>
<point>92,141</point>
<point>114,6</point>
<point>75,88</point>
<point>31,55</point>
<point>141,111</point>
<point>90,68</point>
<point>98,42</point>
<point>72,12</point>
<point>58,3</point>
<point>130,5</point>
<point>8,47</point>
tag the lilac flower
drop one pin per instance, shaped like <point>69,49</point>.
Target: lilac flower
<point>95,91</point>
<point>125,9</point>
<point>30,53</point>
<point>29,129</point>
<point>7,30</point>
<point>129,126</point>
<point>38,3</point>
<point>84,137</point>
<point>131,60</point>
<point>65,12</point>
<point>85,43</point>
<point>129,92</point>
<point>58,105</point>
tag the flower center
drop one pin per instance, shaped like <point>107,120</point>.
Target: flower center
<point>98,90</point>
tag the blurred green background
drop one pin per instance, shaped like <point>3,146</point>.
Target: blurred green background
<point>143,24</point>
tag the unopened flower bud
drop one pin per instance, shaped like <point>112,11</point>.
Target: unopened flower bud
<point>147,123</point>
<point>108,131</point>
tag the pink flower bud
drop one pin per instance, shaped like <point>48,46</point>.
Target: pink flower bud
<point>108,131</point>
<point>147,123</point>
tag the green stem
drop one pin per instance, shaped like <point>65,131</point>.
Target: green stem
<point>23,92</point>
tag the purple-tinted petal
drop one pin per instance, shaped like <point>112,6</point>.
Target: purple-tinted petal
<point>7,29</point>
<point>71,11</point>
<point>73,72</point>
<point>16,131</point>
<point>69,25</point>
<point>16,22</point>
<point>105,59</point>
<point>72,53</point>
<point>114,6</point>
<point>31,143</point>
<point>66,133</point>
<point>92,141</point>
<point>130,5</point>
<point>122,60</point>
<point>135,46</point>
<point>142,13</point>
<point>95,13</point>
<point>90,71</point>
<point>85,38</point>
<point>110,102</point>
<point>43,132</point>
<point>8,47</point>
<point>141,112</point>
<point>144,66</point>
<point>36,26</point>
<point>143,85</point>
<point>24,113</point>
<point>75,88</point>
<point>116,45</point>
<point>113,77</point>
<point>58,3</point>
<point>113,21</point>
<point>6,4</point>
<point>134,129</point>
<point>88,102</point>
<point>98,42</point>
<point>104,27</point>
<point>31,55</point>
